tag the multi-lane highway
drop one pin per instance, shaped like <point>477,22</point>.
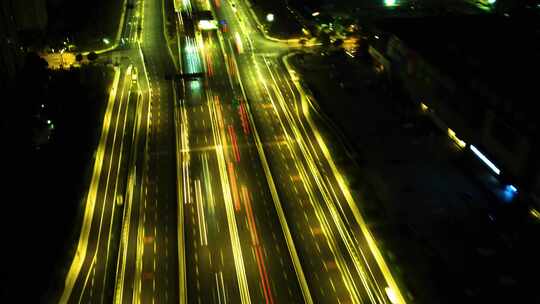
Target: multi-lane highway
<point>236,251</point>
<point>212,180</point>
<point>323,214</point>
<point>92,270</point>
<point>91,276</point>
<point>127,250</point>
<point>148,273</point>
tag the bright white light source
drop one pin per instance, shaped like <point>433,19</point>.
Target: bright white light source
<point>48,121</point>
<point>509,193</point>
<point>208,24</point>
<point>389,2</point>
<point>315,14</point>
<point>485,160</point>
<point>391,295</point>
<point>238,42</point>
<point>511,188</point>
<point>492,1</point>
<point>270,17</point>
<point>106,41</point>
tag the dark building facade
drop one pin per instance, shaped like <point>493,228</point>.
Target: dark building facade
<point>30,14</point>
<point>475,74</point>
<point>10,50</point>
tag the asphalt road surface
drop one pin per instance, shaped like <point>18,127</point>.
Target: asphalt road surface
<point>213,182</point>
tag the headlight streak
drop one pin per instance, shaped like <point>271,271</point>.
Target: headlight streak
<point>192,55</point>
<point>218,134</point>
<point>115,191</point>
<point>306,102</point>
<point>200,213</point>
<point>186,4</point>
<point>332,243</point>
<point>127,84</point>
<point>263,274</point>
<point>181,197</point>
<point>275,198</point>
<point>352,245</point>
<point>232,178</point>
<point>208,184</point>
<point>350,236</point>
<point>185,155</point>
<point>244,194</point>
<point>82,245</point>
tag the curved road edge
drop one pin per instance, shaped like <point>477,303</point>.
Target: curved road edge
<point>82,244</point>
<point>342,185</point>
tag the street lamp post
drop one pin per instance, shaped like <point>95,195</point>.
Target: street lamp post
<point>269,19</point>
<point>62,58</point>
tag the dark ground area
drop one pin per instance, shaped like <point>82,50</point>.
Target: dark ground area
<point>47,167</point>
<point>285,24</point>
<point>42,201</point>
<point>85,23</point>
<point>444,234</point>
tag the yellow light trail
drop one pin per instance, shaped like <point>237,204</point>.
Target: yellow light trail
<point>275,197</point>
<point>137,282</point>
<point>82,244</point>
<point>208,182</point>
<point>182,154</point>
<point>218,134</point>
<point>126,226</point>
<point>115,191</point>
<point>348,197</point>
<point>332,243</point>
<point>349,240</point>
<point>200,213</point>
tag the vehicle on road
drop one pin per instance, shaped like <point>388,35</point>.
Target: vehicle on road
<point>134,75</point>
<point>223,26</point>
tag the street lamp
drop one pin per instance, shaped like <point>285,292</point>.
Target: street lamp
<point>270,17</point>
<point>62,57</point>
<point>106,41</point>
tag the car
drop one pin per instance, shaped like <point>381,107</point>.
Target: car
<point>223,26</point>
<point>119,200</point>
<point>134,75</point>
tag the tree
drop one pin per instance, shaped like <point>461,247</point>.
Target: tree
<point>35,69</point>
<point>338,42</point>
<point>92,56</point>
<point>324,38</point>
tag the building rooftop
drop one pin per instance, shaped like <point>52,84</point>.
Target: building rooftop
<point>502,53</point>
